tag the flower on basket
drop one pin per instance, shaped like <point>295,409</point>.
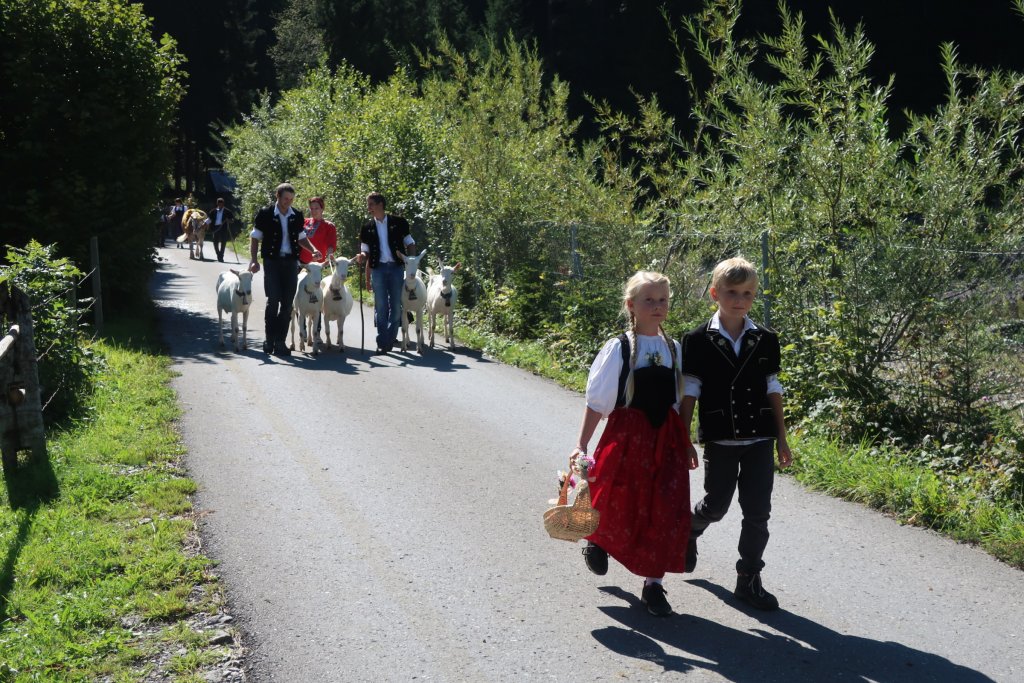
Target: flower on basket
<point>583,465</point>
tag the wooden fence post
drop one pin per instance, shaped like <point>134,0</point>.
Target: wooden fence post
<point>21,412</point>
<point>97,289</point>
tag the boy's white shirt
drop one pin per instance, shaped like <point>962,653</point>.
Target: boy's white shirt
<point>603,380</point>
<point>692,385</point>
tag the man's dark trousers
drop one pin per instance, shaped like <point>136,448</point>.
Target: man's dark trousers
<point>220,241</point>
<point>279,283</point>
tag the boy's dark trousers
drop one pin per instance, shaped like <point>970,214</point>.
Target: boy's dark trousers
<point>751,469</point>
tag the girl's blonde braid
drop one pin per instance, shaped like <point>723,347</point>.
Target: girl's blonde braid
<point>677,367</point>
<point>634,353</point>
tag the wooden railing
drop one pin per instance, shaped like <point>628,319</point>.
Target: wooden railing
<point>21,413</point>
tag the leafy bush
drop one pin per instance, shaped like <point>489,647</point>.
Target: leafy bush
<point>67,366</point>
<point>87,95</point>
<point>887,254</point>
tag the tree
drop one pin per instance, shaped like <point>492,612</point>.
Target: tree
<point>86,93</point>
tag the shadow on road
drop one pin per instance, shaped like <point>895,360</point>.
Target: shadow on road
<point>801,650</point>
<point>192,334</point>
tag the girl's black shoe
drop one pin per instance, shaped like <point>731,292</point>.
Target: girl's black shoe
<point>654,597</point>
<point>596,558</point>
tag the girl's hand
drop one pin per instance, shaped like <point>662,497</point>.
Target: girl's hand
<point>576,453</point>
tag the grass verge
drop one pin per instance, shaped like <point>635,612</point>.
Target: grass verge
<point>97,581</point>
<point>534,356</point>
<point>913,494</point>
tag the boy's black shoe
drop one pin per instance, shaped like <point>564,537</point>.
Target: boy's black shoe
<point>750,591</point>
<point>268,347</point>
<point>691,555</point>
<point>654,597</point>
<point>282,351</point>
<point>596,558</point>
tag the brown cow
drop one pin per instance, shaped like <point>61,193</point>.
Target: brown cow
<point>193,231</point>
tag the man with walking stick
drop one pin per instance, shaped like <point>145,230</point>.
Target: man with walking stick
<point>382,239</point>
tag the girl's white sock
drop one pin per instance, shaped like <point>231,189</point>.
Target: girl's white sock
<point>648,581</point>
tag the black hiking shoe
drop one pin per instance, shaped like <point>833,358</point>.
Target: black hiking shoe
<point>691,555</point>
<point>654,597</point>
<point>750,590</point>
<point>596,558</point>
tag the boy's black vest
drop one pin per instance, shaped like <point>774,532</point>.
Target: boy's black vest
<point>398,228</point>
<point>654,387</point>
<point>733,400</point>
<point>270,226</point>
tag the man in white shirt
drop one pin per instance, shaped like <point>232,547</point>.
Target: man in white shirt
<point>383,240</point>
<point>278,228</point>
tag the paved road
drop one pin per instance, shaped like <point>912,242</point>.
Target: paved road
<point>378,519</point>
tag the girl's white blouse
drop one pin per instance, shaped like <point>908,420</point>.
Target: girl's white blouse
<point>603,381</point>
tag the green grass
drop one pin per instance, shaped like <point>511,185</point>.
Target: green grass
<point>92,542</point>
<point>912,494</point>
<point>532,355</point>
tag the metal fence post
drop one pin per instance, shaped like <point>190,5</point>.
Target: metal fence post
<point>577,265</point>
<point>766,298</point>
<point>97,289</point>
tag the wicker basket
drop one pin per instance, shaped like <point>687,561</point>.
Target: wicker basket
<point>572,522</point>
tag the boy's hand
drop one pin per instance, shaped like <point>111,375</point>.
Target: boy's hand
<point>785,455</point>
<point>691,454</point>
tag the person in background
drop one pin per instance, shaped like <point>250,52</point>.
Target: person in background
<point>220,224</point>
<point>174,215</point>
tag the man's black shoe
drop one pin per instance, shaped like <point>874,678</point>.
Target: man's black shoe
<point>380,352</point>
<point>654,597</point>
<point>750,591</point>
<point>282,351</point>
<point>691,555</point>
<point>596,558</point>
<point>268,347</point>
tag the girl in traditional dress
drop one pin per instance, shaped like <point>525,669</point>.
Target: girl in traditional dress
<point>640,479</point>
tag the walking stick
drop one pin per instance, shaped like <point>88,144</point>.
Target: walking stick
<point>362,321</point>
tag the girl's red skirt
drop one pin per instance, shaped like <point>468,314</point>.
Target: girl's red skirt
<point>641,485</point>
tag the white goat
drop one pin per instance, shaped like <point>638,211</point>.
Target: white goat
<point>234,295</point>
<point>337,300</point>
<point>306,306</point>
<point>414,298</point>
<point>441,295</point>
